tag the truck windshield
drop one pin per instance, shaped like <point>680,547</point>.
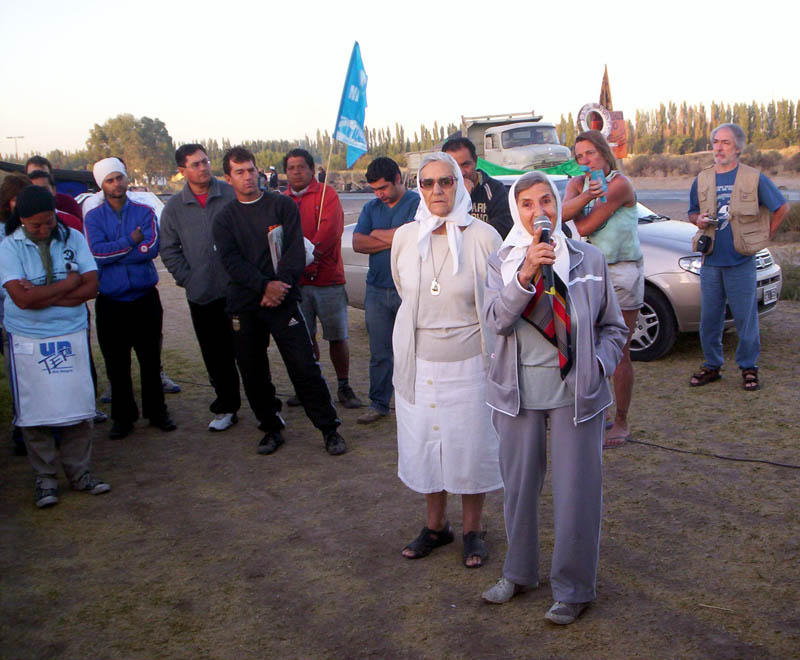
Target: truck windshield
<point>525,135</point>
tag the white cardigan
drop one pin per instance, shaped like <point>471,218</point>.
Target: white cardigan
<point>479,241</point>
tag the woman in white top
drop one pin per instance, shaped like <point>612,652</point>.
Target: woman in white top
<point>446,443</point>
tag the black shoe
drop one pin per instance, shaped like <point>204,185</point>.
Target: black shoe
<point>293,401</point>
<point>46,497</point>
<point>120,430</point>
<point>348,398</point>
<point>334,444</point>
<point>163,422</point>
<point>270,443</point>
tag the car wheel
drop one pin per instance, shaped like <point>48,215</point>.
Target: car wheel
<point>656,329</point>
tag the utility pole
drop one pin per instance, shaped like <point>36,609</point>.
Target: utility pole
<point>15,138</point>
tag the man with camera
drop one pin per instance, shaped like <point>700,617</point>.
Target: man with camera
<point>737,211</point>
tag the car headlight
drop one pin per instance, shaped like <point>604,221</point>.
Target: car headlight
<point>692,264</point>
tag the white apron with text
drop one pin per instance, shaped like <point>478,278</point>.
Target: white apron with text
<point>51,379</point>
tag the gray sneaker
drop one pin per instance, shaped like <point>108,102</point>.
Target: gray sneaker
<point>505,590</point>
<point>46,497</point>
<point>565,613</point>
<point>88,483</point>
<point>372,415</point>
<point>169,385</point>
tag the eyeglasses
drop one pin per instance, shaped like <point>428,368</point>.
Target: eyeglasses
<point>444,182</point>
<point>200,163</point>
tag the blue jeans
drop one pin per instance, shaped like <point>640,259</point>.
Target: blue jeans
<point>380,309</point>
<point>737,286</point>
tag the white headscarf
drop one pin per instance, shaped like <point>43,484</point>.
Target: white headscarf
<point>102,168</point>
<point>458,217</point>
<point>512,251</point>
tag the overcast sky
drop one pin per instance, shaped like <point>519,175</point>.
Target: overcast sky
<point>248,70</point>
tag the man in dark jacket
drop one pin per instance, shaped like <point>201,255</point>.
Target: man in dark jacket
<point>259,239</point>
<point>489,196</point>
<point>124,237</point>
<point>187,250</point>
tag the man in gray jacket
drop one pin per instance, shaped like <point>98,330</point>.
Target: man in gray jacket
<point>187,250</point>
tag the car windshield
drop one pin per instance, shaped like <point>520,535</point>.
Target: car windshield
<point>525,135</point>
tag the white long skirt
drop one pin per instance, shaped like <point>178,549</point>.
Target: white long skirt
<point>445,441</point>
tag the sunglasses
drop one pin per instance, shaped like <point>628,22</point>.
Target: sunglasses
<point>444,182</point>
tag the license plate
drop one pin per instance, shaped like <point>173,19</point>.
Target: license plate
<point>770,294</point>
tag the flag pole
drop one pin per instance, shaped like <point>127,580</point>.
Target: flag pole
<point>325,185</point>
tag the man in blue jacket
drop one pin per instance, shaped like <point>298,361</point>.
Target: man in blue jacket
<point>123,237</point>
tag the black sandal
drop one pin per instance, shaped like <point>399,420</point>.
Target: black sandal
<point>428,540</point>
<point>705,376</point>
<point>475,546</point>
<point>750,380</point>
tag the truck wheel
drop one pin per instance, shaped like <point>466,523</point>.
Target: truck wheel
<point>656,328</point>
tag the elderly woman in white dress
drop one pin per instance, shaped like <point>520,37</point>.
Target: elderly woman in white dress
<point>559,332</point>
<point>446,443</point>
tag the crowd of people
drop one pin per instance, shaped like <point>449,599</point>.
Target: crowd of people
<point>487,319</point>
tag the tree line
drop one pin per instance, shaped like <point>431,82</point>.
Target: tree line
<point>148,149</point>
<point>684,129</point>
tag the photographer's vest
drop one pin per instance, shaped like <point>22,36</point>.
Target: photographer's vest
<point>749,221</point>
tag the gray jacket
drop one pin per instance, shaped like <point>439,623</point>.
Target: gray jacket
<point>598,333</point>
<point>187,246</point>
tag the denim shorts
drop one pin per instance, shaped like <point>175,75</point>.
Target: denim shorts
<point>628,280</point>
<point>329,305</point>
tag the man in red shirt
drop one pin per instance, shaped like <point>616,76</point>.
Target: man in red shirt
<point>63,202</point>
<point>45,180</point>
<point>322,284</point>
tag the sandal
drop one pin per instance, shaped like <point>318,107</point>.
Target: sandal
<point>475,546</point>
<point>428,540</point>
<point>705,376</point>
<point>750,380</point>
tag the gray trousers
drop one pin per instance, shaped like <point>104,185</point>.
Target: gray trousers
<point>577,462</point>
<point>74,450</point>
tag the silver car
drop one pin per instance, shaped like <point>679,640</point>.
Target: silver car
<point>672,280</point>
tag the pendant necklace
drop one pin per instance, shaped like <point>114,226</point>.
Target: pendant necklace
<point>436,289</point>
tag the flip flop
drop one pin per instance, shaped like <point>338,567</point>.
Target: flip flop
<point>617,441</point>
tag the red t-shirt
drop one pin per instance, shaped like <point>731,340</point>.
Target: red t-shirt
<point>70,220</point>
<point>68,205</point>
<point>202,199</point>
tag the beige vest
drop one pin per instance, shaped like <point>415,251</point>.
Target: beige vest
<point>749,221</point>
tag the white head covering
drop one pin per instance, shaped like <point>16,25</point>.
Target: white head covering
<point>102,168</point>
<point>512,251</point>
<point>458,217</point>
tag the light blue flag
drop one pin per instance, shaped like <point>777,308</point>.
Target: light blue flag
<point>350,120</point>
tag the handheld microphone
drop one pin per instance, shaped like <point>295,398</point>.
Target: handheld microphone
<point>546,226</point>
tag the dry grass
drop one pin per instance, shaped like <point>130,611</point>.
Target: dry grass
<point>204,549</point>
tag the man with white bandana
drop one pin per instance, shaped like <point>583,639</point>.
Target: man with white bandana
<point>124,238</point>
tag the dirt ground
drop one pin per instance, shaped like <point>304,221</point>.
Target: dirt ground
<point>204,549</point>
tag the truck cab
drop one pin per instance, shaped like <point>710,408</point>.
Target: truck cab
<point>524,146</point>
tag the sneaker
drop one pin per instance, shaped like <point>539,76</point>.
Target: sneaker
<point>223,422</point>
<point>293,401</point>
<point>105,397</point>
<point>505,590</point>
<point>163,422</point>
<point>120,430</point>
<point>169,385</point>
<point>270,443</point>
<point>99,417</point>
<point>46,497</point>
<point>334,444</point>
<point>348,398</point>
<point>565,613</point>
<point>372,415</point>
<point>88,483</point>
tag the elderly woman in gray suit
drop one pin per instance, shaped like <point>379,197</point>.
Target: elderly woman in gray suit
<point>559,334</point>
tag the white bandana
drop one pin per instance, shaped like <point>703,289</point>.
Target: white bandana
<point>458,217</point>
<point>512,251</point>
<point>102,168</point>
